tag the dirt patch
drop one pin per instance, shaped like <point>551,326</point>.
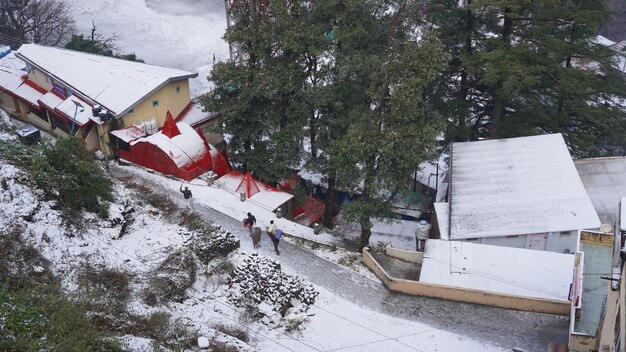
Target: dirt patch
<point>21,264</point>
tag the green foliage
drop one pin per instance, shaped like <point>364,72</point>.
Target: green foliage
<point>38,320</point>
<point>529,67</point>
<point>98,45</point>
<point>66,171</point>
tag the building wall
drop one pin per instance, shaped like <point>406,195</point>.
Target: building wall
<point>492,299</point>
<point>559,242</point>
<point>39,78</point>
<point>6,102</point>
<point>168,100</point>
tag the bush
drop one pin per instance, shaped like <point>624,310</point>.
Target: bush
<point>108,290</point>
<point>41,320</point>
<point>65,171</point>
<point>233,331</point>
<point>170,281</point>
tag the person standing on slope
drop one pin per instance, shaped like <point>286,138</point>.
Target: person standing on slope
<point>187,195</point>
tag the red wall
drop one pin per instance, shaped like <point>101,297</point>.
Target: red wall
<point>151,157</point>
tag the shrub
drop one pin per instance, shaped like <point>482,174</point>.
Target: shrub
<point>108,290</point>
<point>233,331</point>
<point>65,171</point>
<point>170,281</point>
<point>44,319</point>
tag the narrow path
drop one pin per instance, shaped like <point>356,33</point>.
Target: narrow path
<point>512,329</point>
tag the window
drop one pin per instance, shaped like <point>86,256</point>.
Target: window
<point>131,111</point>
<point>178,89</point>
<point>564,234</point>
<point>155,103</point>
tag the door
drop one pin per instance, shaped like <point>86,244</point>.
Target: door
<point>537,241</point>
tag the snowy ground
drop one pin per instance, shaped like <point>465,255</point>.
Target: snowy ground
<point>179,34</point>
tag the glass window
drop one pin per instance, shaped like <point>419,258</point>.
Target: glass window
<point>155,103</point>
<point>178,89</point>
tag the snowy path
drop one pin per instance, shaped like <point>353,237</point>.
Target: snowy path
<point>528,331</point>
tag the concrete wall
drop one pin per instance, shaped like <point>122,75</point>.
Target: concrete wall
<point>417,288</point>
<point>404,255</point>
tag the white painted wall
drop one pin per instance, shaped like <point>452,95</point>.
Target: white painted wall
<point>558,242</point>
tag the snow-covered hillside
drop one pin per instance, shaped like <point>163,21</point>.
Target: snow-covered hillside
<point>165,33</point>
<point>157,248</point>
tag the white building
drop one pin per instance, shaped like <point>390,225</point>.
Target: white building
<point>518,192</point>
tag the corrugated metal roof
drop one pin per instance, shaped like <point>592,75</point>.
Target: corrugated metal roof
<point>116,84</point>
<point>516,186</point>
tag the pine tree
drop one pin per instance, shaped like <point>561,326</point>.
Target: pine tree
<point>518,70</point>
<point>392,129</point>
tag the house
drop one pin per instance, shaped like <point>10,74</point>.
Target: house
<point>520,192</point>
<point>69,92</point>
<point>266,196</point>
<point>176,150</point>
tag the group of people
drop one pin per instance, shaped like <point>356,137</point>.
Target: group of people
<point>271,230</point>
<point>255,232</point>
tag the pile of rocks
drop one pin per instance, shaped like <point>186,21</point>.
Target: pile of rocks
<point>259,283</point>
<point>213,244</point>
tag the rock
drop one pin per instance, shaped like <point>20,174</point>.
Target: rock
<point>203,342</point>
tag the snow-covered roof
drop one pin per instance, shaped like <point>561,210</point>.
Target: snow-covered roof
<point>12,70</point>
<point>428,173</point>
<point>50,100</point>
<point>516,186</point>
<point>129,134</point>
<point>442,211</point>
<point>605,182</point>
<point>507,270</point>
<point>116,84</point>
<point>68,107</point>
<point>603,40</point>
<point>183,149</point>
<point>269,197</point>
<point>194,115</point>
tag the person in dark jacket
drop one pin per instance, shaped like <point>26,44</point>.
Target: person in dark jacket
<point>187,195</point>
<point>251,223</point>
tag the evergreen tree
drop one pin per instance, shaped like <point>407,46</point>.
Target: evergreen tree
<point>392,129</point>
<point>529,67</point>
<point>260,97</point>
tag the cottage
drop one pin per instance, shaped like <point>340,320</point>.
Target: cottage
<point>518,192</point>
<point>68,92</point>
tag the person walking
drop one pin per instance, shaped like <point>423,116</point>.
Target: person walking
<point>251,223</point>
<point>271,228</point>
<point>276,239</point>
<point>187,195</point>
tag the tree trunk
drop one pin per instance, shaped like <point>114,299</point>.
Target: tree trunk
<point>330,201</point>
<point>463,115</point>
<point>313,134</point>
<point>366,232</point>
<point>499,101</point>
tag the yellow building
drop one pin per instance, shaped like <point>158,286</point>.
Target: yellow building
<point>71,92</point>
